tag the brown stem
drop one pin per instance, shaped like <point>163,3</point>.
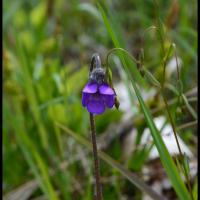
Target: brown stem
<point>98,195</point>
<point>176,138</point>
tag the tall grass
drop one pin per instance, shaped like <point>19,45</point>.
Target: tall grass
<point>165,157</point>
<point>45,66</point>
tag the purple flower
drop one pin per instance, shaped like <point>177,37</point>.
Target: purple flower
<point>96,97</point>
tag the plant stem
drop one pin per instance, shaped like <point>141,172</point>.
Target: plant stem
<point>176,138</point>
<point>98,195</point>
<point>187,177</point>
<point>124,51</point>
<point>171,121</point>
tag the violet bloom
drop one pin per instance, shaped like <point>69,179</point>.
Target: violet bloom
<point>97,97</point>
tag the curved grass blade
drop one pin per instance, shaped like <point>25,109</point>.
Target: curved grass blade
<point>118,43</point>
<point>165,157</point>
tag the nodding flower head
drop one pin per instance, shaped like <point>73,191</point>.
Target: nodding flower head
<point>97,95</point>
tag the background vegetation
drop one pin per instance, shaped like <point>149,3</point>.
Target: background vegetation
<point>47,47</point>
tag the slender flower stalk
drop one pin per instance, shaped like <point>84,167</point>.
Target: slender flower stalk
<point>98,195</point>
<point>97,95</point>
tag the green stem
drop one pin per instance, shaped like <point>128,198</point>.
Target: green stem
<point>165,101</point>
<point>123,50</point>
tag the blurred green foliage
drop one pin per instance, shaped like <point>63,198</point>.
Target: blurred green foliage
<point>47,46</point>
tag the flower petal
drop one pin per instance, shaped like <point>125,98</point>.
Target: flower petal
<point>85,98</point>
<point>109,100</point>
<point>106,89</point>
<point>95,105</point>
<point>90,88</point>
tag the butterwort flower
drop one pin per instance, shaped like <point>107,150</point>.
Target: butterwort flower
<point>97,95</point>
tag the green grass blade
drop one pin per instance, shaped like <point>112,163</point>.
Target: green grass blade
<point>132,177</point>
<point>118,44</point>
<point>195,190</point>
<point>29,91</point>
<point>31,155</point>
<point>46,178</point>
<point>189,107</point>
<point>165,157</point>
